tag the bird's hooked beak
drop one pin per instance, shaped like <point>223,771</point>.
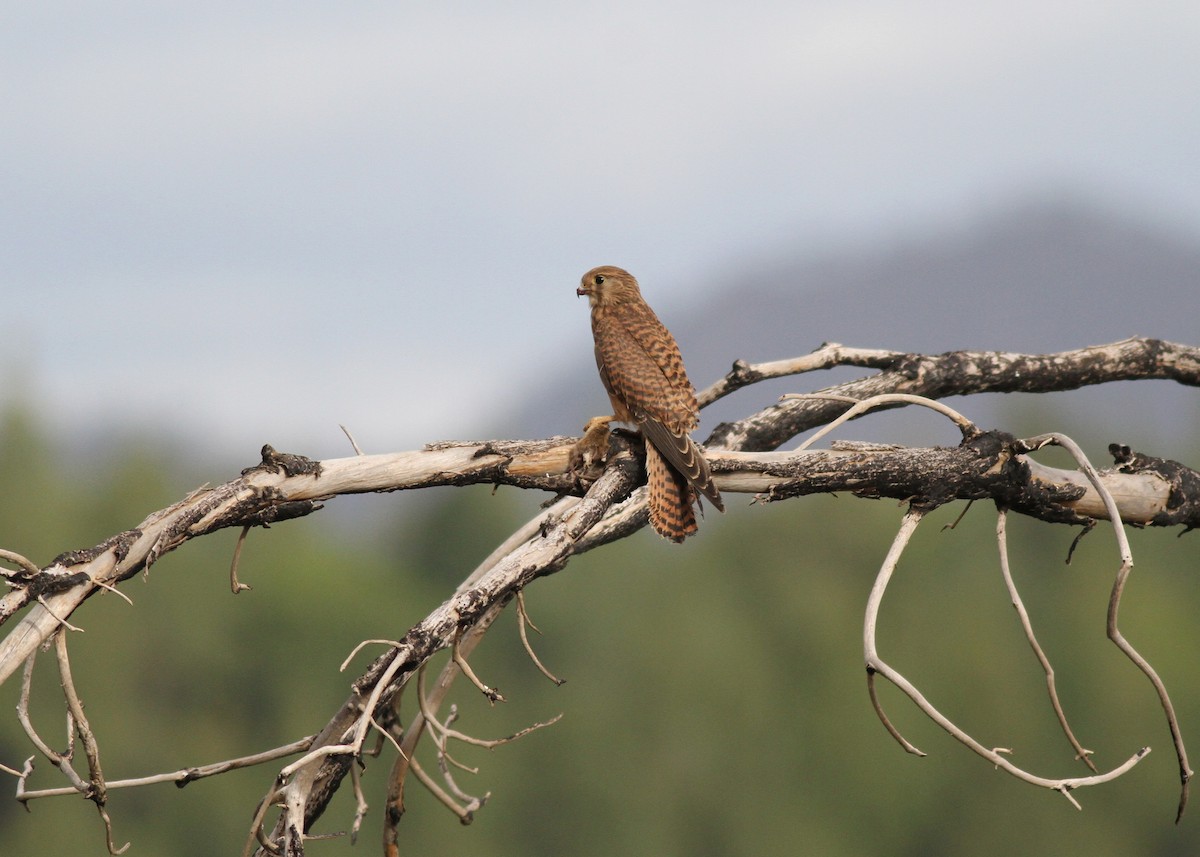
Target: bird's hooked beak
<point>583,290</point>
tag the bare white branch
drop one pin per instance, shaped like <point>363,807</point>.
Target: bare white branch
<point>876,665</point>
<point>987,464</point>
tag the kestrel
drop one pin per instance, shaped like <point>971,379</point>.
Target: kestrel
<point>643,372</point>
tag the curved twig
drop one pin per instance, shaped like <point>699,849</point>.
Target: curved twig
<point>826,357</point>
<point>523,620</point>
<point>908,746</point>
<point>493,694</point>
<point>1114,603</point>
<point>445,731</point>
<point>875,664</point>
<point>871,619</point>
<point>234,584</point>
<point>1027,626</point>
<point>861,406</point>
<point>26,565</point>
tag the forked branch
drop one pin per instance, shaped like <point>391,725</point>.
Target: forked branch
<point>985,465</point>
<point>877,666</point>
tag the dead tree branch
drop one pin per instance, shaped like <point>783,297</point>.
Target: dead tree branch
<point>985,465</point>
<point>935,376</point>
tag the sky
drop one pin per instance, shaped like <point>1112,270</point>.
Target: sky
<point>246,223</point>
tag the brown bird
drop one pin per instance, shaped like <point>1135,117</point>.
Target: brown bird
<point>643,372</point>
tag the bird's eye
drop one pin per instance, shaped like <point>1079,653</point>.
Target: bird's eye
<point>598,279</point>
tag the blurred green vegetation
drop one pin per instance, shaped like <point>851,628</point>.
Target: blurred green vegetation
<point>715,702</point>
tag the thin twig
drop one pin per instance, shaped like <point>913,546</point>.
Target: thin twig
<point>871,619</point>
<point>257,832</point>
<point>108,587</point>
<point>522,621</point>
<point>350,437</point>
<point>360,803</point>
<point>465,814</point>
<point>352,740</point>
<point>62,760</point>
<point>860,407</point>
<point>908,746</point>
<point>389,643</point>
<point>108,833</point>
<point>441,740</point>
<point>61,621</point>
<point>493,695</point>
<point>91,749</point>
<point>954,524</point>
<point>386,735</point>
<point>444,763</point>
<point>394,808</point>
<point>28,566</point>
<point>439,732</point>
<point>489,743</point>
<point>1027,626</point>
<point>1114,603</point>
<point>875,663</point>
<point>827,356</point>
<point>183,776</point>
<point>235,584</point>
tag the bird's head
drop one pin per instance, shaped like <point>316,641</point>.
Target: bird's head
<point>608,285</point>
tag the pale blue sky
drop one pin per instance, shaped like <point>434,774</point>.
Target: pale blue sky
<point>260,220</point>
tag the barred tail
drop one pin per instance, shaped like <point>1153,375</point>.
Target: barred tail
<point>671,512</point>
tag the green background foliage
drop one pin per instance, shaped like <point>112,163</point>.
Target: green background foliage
<point>715,700</point>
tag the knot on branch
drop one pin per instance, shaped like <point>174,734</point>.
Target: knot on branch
<point>49,583</point>
<point>282,511</point>
<point>118,544</point>
<point>742,373</point>
<point>285,462</point>
<point>1183,482</point>
<point>912,367</point>
<point>1022,492</point>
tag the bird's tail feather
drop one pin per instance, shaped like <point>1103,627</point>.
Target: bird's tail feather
<point>671,497</point>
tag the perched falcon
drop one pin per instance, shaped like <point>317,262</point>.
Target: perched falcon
<point>641,368</point>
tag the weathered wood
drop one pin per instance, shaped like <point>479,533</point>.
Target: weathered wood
<point>987,465</point>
